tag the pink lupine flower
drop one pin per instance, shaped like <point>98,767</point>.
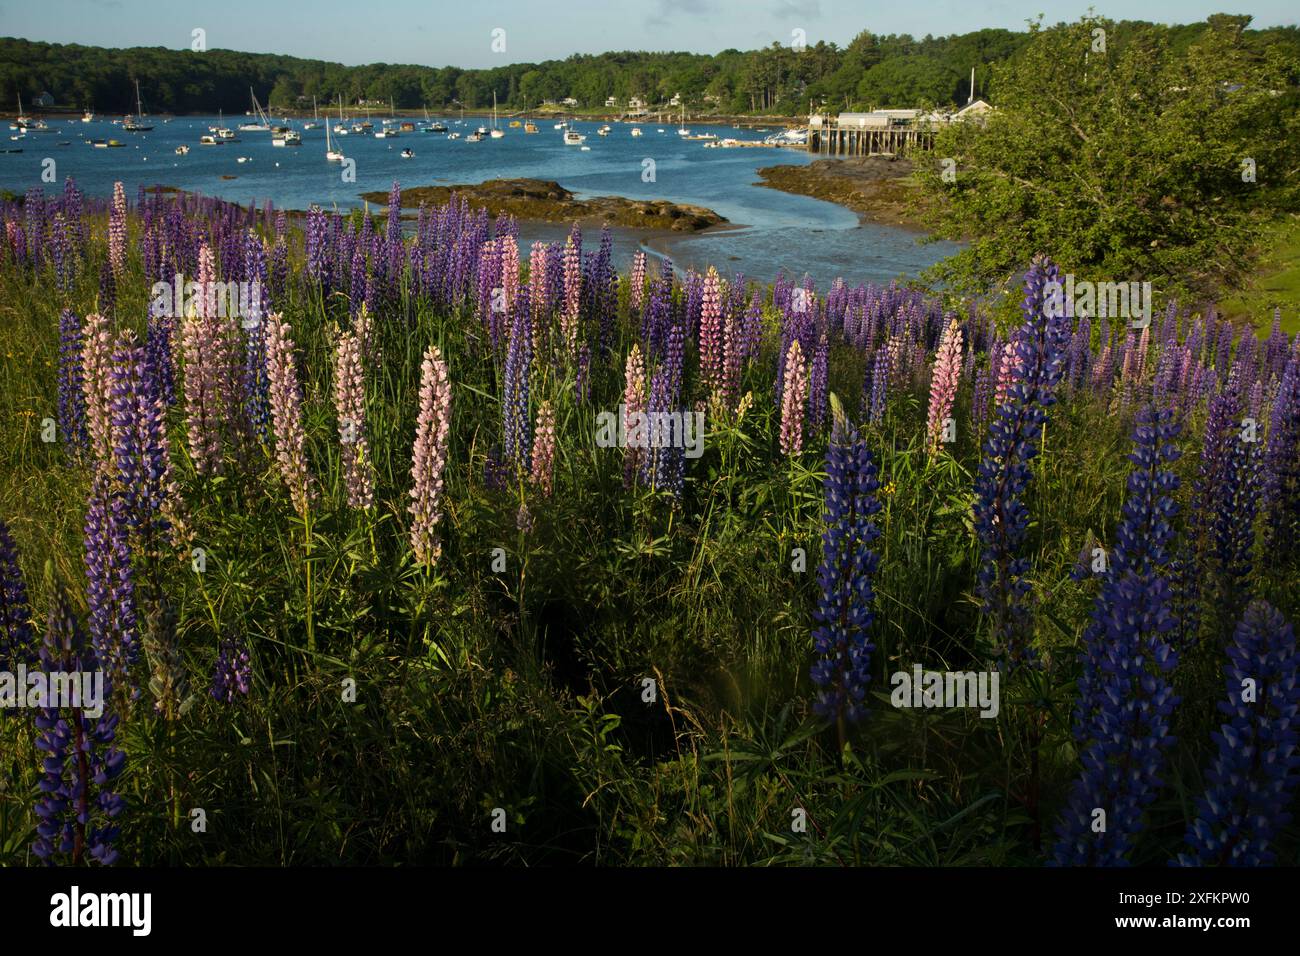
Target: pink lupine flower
<point>636,287</point>
<point>97,387</point>
<point>350,406</point>
<point>432,429</point>
<point>943,386</point>
<point>1008,369</point>
<point>538,297</point>
<point>205,352</point>
<point>634,401</point>
<point>570,316</point>
<point>117,231</point>
<point>711,335</point>
<point>286,413</point>
<point>544,449</point>
<point>509,271</point>
<point>792,400</point>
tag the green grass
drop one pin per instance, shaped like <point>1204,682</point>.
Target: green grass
<point>1277,284</point>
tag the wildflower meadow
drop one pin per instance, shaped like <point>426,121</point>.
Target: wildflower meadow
<point>404,541</point>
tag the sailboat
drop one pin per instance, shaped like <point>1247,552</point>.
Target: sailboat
<point>386,130</point>
<point>340,128</point>
<point>331,154</point>
<point>315,123</point>
<point>20,121</point>
<point>496,133</point>
<point>263,124</point>
<point>88,116</point>
<point>682,130</point>
<point>128,122</point>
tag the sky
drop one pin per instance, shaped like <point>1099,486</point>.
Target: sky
<point>458,33</point>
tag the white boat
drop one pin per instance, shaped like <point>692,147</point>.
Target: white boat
<point>263,124</point>
<point>496,133</point>
<point>383,134</point>
<point>474,138</point>
<point>453,135</point>
<point>226,135</point>
<point>635,131</point>
<point>408,153</point>
<point>315,122</point>
<point>88,116</point>
<point>244,159</point>
<point>573,138</point>
<point>182,150</point>
<point>586,149</point>
<point>287,137</point>
<point>332,155</point>
<point>561,125</point>
<point>603,131</point>
<point>129,122</point>
<point>682,130</point>
<point>207,140</point>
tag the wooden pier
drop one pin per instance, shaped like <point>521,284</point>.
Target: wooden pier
<point>866,135</point>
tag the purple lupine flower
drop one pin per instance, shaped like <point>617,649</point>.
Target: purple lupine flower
<point>841,644</point>
<point>350,406</point>
<point>141,449</point>
<point>880,372</point>
<point>1253,778</point>
<point>1280,498</point>
<point>316,248</point>
<point>17,639</point>
<point>110,583</point>
<point>117,230</point>
<point>72,397</point>
<point>818,385</point>
<point>1123,713</point>
<point>658,313</point>
<point>233,672</point>
<point>1001,518</point>
<point>286,413</point>
<point>543,465</point>
<point>514,401</point>
<point>429,459</point>
<point>203,350</point>
<point>1227,492</point>
<point>76,809</point>
<point>792,401</point>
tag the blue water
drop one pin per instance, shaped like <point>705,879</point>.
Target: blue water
<point>776,231</point>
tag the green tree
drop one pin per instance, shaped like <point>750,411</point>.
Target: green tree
<point>1123,166</point>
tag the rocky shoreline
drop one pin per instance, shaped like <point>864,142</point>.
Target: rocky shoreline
<point>875,187</point>
<point>540,200</point>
